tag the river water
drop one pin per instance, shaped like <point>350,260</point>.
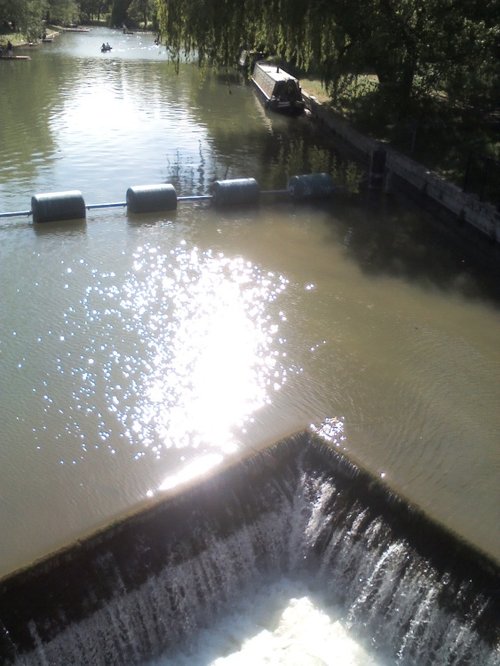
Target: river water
<point>138,351</point>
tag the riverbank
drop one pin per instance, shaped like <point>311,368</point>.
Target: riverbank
<point>19,41</point>
<point>389,169</point>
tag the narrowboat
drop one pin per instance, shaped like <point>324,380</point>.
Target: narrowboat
<point>280,90</point>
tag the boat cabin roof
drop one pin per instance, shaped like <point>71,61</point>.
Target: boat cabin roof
<point>275,72</point>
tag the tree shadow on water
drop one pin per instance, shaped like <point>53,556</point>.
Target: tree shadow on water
<point>392,237</point>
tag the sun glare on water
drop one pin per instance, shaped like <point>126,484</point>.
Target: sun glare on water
<point>190,351</point>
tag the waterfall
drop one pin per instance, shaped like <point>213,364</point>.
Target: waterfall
<point>147,585</point>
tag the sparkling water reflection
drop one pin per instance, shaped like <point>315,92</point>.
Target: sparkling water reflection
<point>201,356</point>
<point>137,351</point>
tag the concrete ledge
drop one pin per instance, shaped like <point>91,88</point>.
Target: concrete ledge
<point>465,207</point>
<point>297,507</point>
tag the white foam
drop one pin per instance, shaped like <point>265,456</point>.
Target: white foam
<point>283,623</point>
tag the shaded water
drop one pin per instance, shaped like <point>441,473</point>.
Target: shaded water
<point>137,351</point>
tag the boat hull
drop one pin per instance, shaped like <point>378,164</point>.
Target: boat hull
<point>279,90</point>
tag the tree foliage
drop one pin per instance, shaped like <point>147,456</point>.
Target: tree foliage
<point>414,46</point>
<point>93,10</point>
<point>63,12</point>
<point>119,11</point>
<point>24,16</point>
<point>27,16</point>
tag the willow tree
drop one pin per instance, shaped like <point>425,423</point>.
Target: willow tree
<point>216,30</point>
<point>412,45</point>
<point>332,38</point>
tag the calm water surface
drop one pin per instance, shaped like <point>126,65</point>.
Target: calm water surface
<point>135,352</point>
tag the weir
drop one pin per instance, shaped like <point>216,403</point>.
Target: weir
<point>299,508</point>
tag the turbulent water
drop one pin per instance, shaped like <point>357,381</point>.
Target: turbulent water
<point>381,581</point>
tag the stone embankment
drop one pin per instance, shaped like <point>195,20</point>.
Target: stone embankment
<point>388,167</point>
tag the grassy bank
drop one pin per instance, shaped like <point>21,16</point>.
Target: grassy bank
<point>16,39</point>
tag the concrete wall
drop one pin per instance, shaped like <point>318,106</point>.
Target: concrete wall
<point>466,207</point>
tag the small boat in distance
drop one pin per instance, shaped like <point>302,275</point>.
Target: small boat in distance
<point>105,47</point>
<point>280,90</point>
<point>7,53</point>
<point>14,57</point>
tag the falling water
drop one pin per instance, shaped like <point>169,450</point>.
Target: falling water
<point>397,586</point>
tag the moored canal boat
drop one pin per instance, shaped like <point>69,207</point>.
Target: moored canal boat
<point>280,90</point>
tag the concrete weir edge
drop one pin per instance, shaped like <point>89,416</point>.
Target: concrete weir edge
<point>74,583</point>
